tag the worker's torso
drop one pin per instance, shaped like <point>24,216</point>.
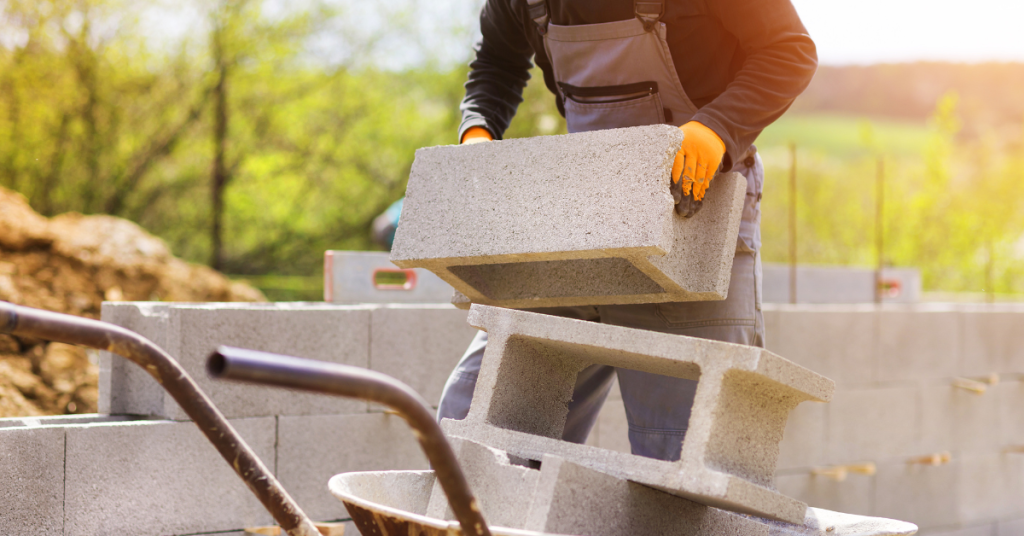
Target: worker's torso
<point>706,57</point>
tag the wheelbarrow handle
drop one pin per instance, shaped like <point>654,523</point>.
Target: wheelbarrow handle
<point>343,380</point>
<point>46,325</point>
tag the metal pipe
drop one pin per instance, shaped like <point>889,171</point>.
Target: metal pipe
<point>29,322</point>
<point>354,382</point>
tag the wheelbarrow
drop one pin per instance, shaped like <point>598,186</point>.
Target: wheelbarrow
<point>393,503</point>
<point>352,381</point>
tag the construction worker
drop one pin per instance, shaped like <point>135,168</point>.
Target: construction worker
<point>721,70</point>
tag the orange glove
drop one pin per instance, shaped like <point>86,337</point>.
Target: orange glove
<point>698,159</point>
<point>476,135</point>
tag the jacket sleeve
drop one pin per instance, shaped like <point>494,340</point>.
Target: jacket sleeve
<point>780,61</point>
<point>499,72</point>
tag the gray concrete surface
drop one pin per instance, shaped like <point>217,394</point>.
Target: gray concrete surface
<point>573,499</point>
<point>576,219</point>
<point>918,343</point>
<point>730,451</point>
<point>158,477</point>
<point>419,344</point>
<point>838,284</point>
<point>873,424</point>
<point>944,419</point>
<point>189,332</point>
<point>833,341</point>
<point>855,495</point>
<point>921,492</point>
<point>502,490</point>
<point>31,480</point>
<point>313,448</point>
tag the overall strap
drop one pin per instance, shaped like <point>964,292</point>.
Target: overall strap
<point>649,12</point>
<point>538,11</point>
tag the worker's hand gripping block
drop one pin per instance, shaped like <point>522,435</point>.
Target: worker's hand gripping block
<point>580,219</point>
<point>743,399</point>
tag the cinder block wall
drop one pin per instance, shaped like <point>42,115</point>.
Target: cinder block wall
<point>156,474</point>
<point>895,402</point>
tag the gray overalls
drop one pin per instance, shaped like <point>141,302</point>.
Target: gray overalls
<point>613,75</point>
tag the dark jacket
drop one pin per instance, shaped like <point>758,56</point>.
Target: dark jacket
<point>741,62</point>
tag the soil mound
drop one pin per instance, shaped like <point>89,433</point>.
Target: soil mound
<point>70,264</point>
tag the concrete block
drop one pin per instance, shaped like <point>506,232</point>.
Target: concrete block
<point>991,343</point>
<point>730,450</point>
<point>872,425</point>
<point>840,284</point>
<point>803,443</point>
<point>578,219</point>
<point>573,499</point>
<point>836,341</point>
<point>502,490</point>
<point>922,494</point>
<point>989,487</point>
<point>983,529</point>
<point>158,477</point>
<point>1014,527</point>
<point>31,480</point>
<point>419,344</point>
<point>369,277</point>
<point>189,332</point>
<point>1010,398</point>
<point>917,343</point>
<point>853,495</point>
<point>125,387</point>
<point>958,420</point>
<point>312,449</point>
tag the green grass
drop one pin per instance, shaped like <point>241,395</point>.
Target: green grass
<point>286,287</point>
<point>846,136</point>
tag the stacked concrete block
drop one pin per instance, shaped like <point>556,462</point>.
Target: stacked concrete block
<point>189,333</point>
<point>318,436</point>
<point>157,477</point>
<point>803,443</point>
<point>556,496</point>
<point>313,448</point>
<point>419,345</point>
<point>855,494</point>
<point>729,454</point>
<point>574,499</point>
<point>578,219</point>
<point>830,340</point>
<point>916,491</point>
<point>839,284</point>
<point>31,466</point>
<point>897,405</point>
<point>1010,527</point>
<point>917,343</point>
<point>987,344</point>
<point>503,491</point>
<point>874,424</point>
<point>565,498</point>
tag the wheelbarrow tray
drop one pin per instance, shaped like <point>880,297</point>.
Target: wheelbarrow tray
<point>395,503</point>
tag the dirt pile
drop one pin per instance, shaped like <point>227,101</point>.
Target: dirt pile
<point>70,264</point>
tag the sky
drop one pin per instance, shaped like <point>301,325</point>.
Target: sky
<point>845,31</point>
<point>877,31</point>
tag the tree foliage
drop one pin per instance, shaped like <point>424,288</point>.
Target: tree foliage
<point>264,136</point>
